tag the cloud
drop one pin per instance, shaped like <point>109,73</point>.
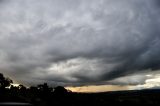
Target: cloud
<point>79,42</point>
<point>152,82</point>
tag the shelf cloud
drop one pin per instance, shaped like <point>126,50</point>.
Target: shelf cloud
<point>79,42</point>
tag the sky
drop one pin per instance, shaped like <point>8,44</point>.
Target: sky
<point>81,43</point>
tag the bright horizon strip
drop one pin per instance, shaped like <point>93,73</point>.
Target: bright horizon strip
<point>15,84</point>
<point>99,88</point>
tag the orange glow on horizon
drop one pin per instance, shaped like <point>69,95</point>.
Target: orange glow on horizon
<point>100,88</point>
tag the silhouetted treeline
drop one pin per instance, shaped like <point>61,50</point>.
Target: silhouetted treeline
<point>43,95</point>
<point>37,95</point>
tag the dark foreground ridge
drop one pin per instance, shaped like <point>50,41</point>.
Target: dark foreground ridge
<point>43,95</point>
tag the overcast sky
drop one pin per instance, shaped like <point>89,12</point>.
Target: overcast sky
<point>80,42</point>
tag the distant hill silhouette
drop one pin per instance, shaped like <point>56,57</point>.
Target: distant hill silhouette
<point>43,95</point>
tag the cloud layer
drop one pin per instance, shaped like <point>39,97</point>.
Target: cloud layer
<point>79,42</point>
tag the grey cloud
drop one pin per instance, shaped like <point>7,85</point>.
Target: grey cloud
<point>78,42</point>
<point>133,79</point>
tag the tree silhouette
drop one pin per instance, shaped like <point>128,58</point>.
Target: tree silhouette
<point>60,90</point>
<point>22,87</point>
<point>44,88</point>
<point>4,82</point>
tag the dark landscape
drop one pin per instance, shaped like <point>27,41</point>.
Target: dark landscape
<point>43,95</point>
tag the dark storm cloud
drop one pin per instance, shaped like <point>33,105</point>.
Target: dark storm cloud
<point>79,42</point>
